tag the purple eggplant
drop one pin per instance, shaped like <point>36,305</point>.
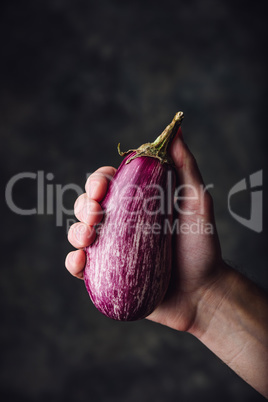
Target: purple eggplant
<point>128,266</point>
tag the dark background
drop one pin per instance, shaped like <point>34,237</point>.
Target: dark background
<point>76,78</point>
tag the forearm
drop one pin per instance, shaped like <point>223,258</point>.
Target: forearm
<point>232,321</point>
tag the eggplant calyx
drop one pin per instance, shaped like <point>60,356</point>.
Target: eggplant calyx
<point>158,148</point>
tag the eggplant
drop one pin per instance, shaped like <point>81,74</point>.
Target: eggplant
<point>128,267</point>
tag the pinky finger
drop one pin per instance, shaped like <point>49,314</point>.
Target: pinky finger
<point>75,263</point>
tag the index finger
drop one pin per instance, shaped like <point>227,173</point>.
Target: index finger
<point>97,183</point>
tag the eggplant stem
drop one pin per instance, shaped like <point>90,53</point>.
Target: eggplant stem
<point>126,152</point>
<point>159,148</point>
<point>163,141</point>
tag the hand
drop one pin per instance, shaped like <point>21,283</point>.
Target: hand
<point>88,211</point>
<point>224,310</point>
<point>197,257</point>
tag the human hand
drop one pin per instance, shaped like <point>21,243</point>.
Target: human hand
<point>88,211</point>
<point>223,309</point>
<point>197,262</point>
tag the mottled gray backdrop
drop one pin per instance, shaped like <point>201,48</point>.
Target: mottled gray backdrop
<point>76,78</point>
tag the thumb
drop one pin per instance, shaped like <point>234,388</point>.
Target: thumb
<point>191,191</point>
<point>185,163</point>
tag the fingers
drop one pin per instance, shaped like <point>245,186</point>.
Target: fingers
<point>81,235</point>
<point>97,183</point>
<point>87,210</point>
<point>75,263</point>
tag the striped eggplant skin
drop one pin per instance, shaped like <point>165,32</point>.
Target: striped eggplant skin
<point>128,267</point>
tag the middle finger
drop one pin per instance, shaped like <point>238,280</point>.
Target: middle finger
<point>87,210</point>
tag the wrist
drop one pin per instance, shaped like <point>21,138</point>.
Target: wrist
<point>232,321</point>
<point>211,297</point>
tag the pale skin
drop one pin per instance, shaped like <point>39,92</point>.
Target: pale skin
<point>206,298</point>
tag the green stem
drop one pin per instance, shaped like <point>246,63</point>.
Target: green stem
<point>158,149</point>
<point>163,141</point>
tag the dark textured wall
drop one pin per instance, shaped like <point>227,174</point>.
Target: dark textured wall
<point>76,78</point>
